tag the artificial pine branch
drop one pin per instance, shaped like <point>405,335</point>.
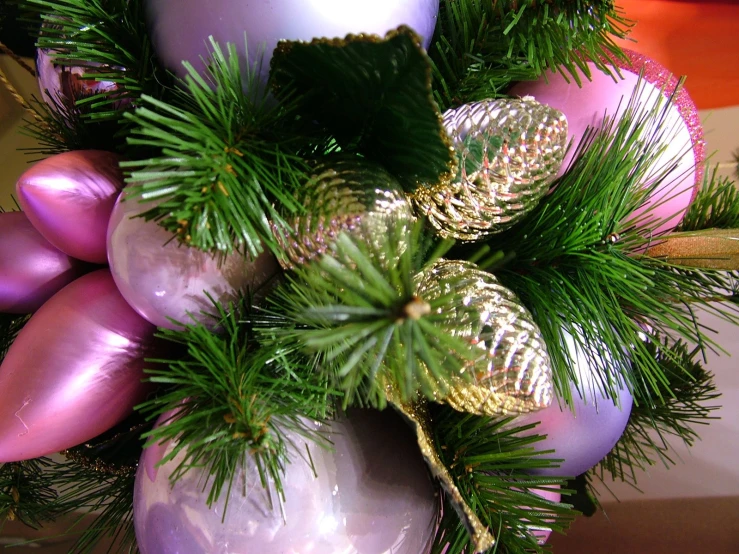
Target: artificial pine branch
<point>716,206</point>
<point>229,397</point>
<point>364,324</point>
<point>225,169</point>
<point>685,402</point>
<point>577,263</point>
<point>481,47</point>
<point>27,495</point>
<point>490,460</point>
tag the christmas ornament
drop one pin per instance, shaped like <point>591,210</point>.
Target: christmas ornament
<point>710,249</point>
<point>509,151</point>
<point>62,86</point>
<point>585,437</point>
<point>31,269</point>
<point>163,279</point>
<point>349,195</point>
<point>372,494</point>
<point>264,24</point>
<point>681,133</point>
<point>74,370</point>
<point>513,373</point>
<point>69,197</point>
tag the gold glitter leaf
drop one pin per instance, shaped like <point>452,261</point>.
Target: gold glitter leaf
<point>708,249</point>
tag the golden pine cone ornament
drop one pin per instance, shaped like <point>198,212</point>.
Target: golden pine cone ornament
<point>352,196</point>
<point>513,373</point>
<point>509,151</point>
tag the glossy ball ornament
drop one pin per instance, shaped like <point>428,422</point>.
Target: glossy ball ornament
<point>682,135</point>
<point>62,86</point>
<point>162,279</point>
<point>371,495</point>
<point>585,437</point>
<point>74,370</point>
<point>31,269</point>
<point>69,198</point>
<point>266,23</point>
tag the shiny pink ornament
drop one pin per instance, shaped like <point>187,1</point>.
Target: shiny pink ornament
<point>31,269</point>
<point>682,137</point>
<point>74,370</point>
<point>69,198</point>
<point>370,495</point>
<point>162,279</point>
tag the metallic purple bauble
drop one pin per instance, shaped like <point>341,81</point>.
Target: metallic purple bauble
<point>69,198</point>
<point>584,438</point>
<point>162,279</point>
<point>180,30</point>
<point>371,495</point>
<point>31,269</point>
<point>63,86</point>
<point>74,371</point>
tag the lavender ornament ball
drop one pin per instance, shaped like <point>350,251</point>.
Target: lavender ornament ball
<point>371,495</point>
<point>31,269</point>
<point>69,197</point>
<point>585,437</point>
<point>163,280</point>
<point>74,370</point>
<point>180,30</point>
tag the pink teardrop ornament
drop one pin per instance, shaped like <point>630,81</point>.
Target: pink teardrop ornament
<point>74,371</point>
<point>69,198</point>
<point>31,269</point>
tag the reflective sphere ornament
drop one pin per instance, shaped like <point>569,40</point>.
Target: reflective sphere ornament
<point>69,198</point>
<point>31,269</point>
<point>585,437</point>
<point>161,278</point>
<point>180,30</point>
<point>74,370</point>
<point>682,134</point>
<point>371,495</point>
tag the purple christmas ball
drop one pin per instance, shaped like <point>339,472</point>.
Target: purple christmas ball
<point>69,197</point>
<point>31,269</point>
<point>585,437</point>
<point>164,280</point>
<point>371,495</point>
<point>180,30</point>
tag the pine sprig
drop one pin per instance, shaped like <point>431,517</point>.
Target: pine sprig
<point>10,326</point>
<point>716,206</point>
<point>27,495</point>
<point>481,47</point>
<point>364,324</point>
<point>686,401</point>
<point>577,261</point>
<point>224,172</point>
<point>490,460</point>
<point>229,398</point>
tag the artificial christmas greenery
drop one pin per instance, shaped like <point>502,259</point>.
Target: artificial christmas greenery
<point>227,170</point>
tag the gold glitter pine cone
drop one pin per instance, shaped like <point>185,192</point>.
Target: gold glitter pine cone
<point>509,151</point>
<point>513,373</point>
<point>346,195</point>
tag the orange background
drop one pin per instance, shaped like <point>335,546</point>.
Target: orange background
<point>699,39</point>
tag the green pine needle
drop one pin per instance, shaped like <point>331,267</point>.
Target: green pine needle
<point>576,261</point>
<point>363,323</point>
<point>26,494</point>
<point>716,206</point>
<point>685,402</point>
<point>490,461</point>
<point>481,47</point>
<point>229,398</point>
<point>224,172</point>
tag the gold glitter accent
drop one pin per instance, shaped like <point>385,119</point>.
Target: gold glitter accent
<point>356,197</point>
<point>709,249</point>
<point>509,151</point>
<point>513,373</point>
<point>418,415</point>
